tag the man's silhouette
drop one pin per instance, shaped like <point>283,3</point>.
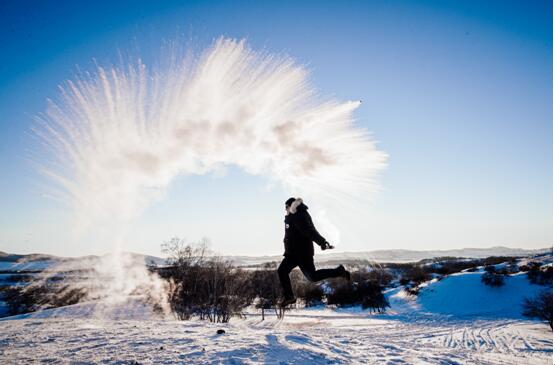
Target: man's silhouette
<point>299,251</point>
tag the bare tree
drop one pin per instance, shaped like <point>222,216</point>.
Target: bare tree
<point>266,289</point>
<point>203,284</point>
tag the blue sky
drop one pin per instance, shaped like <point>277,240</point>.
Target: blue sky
<point>459,94</point>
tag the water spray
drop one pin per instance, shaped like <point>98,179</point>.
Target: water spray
<point>120,135</point>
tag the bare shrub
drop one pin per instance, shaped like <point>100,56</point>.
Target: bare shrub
<point>412,290</point>
<point>540,307</point>
<point>204,285</point>
<point>495,260</point>
<point>372,296</point>
<point>365,289</point>
<point>20,299</point>
<point>540,275</point>
<point>447,266</point>
<point>378,274</point>
<point>415,276</point>
<point>493,278</point>
<point>311,294</point>
<point>343,294</point>
<point>29,298</point>
<point>267,290</point>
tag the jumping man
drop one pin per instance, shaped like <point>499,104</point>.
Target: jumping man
<point>299,251</point>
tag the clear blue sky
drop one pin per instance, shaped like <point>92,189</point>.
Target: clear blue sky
<point>458,93</point>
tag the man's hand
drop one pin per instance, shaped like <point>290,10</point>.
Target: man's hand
<point>327,246</point>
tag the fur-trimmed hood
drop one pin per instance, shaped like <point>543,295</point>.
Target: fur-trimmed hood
<point>296,205</point>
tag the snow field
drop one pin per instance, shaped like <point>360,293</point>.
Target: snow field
<point>455,320</point>
<point>314,336</point>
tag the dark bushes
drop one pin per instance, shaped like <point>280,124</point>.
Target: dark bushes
<point>540,307</point>
<point>343,294</point>
<point>266,289</point>
<point>495,260</point>
<point>493,278</point>
<point>21,299</point>
<point>451,266</point>
<point>311,294</point>
<point>372,296</point>
<point>540,275</point>
<point>368,294</point>
<point>24,299</point>
<point>205,286</point>
<point>415,276</point>
<point>378,275</point>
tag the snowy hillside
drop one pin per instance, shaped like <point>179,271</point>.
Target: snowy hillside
<point>463,295</point>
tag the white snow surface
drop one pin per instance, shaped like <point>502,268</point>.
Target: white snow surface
<point>320,336</point>
<point>444,325</point>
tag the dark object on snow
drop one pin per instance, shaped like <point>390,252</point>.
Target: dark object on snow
<point>540,307</point>
<point>299,250</point>
<point>220,332</point>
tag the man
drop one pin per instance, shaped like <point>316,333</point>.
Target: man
<point>299,251</point>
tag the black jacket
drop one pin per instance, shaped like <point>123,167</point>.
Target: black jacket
<point>300,233</point>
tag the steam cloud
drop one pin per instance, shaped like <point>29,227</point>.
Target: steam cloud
<point>119,136</point>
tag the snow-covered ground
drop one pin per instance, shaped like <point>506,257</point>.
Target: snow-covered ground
<point>315,336</point>
<point>457,320</point>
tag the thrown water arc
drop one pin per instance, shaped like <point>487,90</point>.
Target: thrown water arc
<point>119,136</point>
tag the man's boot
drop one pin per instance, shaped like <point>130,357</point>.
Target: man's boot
<point>344,273</point>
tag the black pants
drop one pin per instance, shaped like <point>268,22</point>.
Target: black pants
<point>306,264</point>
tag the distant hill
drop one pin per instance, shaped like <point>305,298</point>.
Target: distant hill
<point>39,262</point>
<point>8,257</point>
<point>398,255</point>
<point>395,255</point>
